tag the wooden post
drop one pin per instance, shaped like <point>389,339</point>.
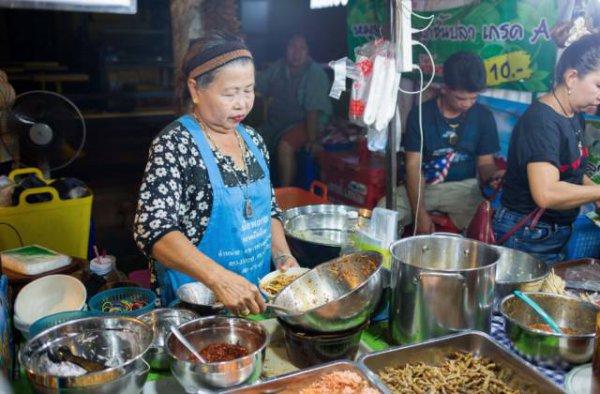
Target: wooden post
<point>183,15</point>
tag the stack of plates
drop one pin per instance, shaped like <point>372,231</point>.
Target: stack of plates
<point>46,296</point>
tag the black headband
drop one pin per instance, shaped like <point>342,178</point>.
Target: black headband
<point>214,57</point>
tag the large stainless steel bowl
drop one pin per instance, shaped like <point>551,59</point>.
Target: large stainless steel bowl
<point>517,270</point>
<point>118,342</point>
<point>195,376</point>
<point>316,233</point>
<point>130,382</point>
<point>335,296</point>
<point>161,321</point>
<point>550,349</point>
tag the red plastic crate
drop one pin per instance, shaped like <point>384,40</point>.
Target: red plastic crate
<point>352,181</point>
<point>291,197</point>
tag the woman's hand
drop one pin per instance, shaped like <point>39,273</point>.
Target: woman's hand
<point>238,295</point>
<point>285,262</point>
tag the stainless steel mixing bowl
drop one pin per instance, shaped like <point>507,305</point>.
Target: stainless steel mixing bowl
<point>197,297</point>
<point>316,233</point>
<point>517,270</point>
<point>131,382</point>
<point>195,376</point>
<point>161,320</point>
<point>550,349</point>
<point>335,296</point>
<point>118,342</point>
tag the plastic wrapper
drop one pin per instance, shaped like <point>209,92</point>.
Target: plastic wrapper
<point>586,276</point>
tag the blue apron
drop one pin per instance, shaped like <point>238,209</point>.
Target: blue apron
<point>238,244</point>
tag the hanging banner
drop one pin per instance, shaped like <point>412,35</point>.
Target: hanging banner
<point>513,37</point>
<point>366,21</point>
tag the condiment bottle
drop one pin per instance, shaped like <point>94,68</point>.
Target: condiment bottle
<point>102,274</point>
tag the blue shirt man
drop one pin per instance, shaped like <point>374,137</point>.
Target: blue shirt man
<point>459,142</point>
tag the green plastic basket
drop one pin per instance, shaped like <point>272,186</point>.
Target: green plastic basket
<point>115,296</point>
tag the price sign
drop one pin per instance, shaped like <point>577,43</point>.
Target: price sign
<point>508,67</point>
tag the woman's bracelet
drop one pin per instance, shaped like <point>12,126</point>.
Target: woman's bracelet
<point>281,258</point>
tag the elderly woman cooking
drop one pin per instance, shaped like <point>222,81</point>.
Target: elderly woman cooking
<point>545,183</point>
<point>206,209</point>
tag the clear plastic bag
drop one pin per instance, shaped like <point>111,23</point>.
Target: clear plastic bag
<point>584,276</point>
<point>374,92</point>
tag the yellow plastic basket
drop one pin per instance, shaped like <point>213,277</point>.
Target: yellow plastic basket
<point>61,225</point>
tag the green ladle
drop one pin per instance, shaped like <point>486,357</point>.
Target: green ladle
<point>538,309</point>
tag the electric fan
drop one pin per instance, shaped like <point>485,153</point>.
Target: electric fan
<point>50,128</point>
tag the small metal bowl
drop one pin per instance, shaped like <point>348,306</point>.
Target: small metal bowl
<point>517,270</point>
<point>551,349</point>
<point>197,297</point>
<point>195,376</point>
<point>161,320</point>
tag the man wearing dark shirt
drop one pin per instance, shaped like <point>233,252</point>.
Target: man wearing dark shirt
<point>459,141</point>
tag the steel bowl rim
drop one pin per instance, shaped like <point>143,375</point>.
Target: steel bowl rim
<point>379,261</point>
<point>30,371</point>
<point>499,248</point>
<point>191,284</point>
<point>402,240</point>
<point>297,209</point>
<point>523,282</point>
<point>250,356</point>
<point>159,311</point>
<point>331,245</point>
<point>540,332</point>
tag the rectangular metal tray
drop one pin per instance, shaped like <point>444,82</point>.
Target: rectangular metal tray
<point>295,381</point>
<point>478,343</point>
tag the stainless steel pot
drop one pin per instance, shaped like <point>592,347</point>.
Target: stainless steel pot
<point>316,233</point>
<point>517,270</point>
<point>440,285</point>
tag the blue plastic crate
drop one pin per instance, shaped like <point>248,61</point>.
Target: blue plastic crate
<point>584,241</point>
<point>115,296</point>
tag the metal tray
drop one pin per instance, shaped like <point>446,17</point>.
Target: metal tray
<point>475,342</point>
<point>295,381</point>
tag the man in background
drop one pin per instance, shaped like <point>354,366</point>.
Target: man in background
<point>458,146</point>
<point>297,90</point>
